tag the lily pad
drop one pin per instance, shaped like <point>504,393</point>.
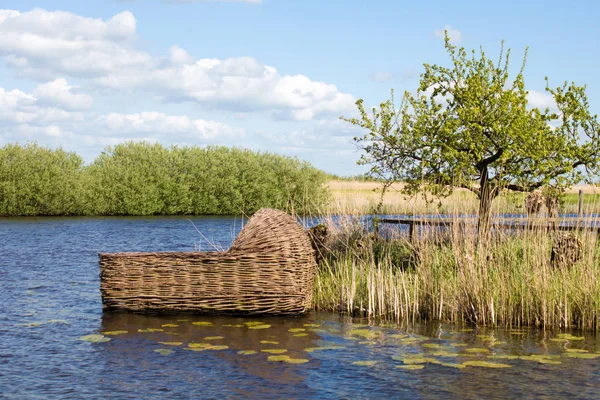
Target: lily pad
<point>150,330</point>
<point>411,367</point>
<point>198,345</point>
<point>312,325</point>
<point>169,325</point>
<point>95,338</point>
<point>577,351</point>
<point>247,352</point>
<point>296,330</point>
<point>504,357</point>
<point>114,333</point>
<point>419,360</point>
<point>278,358</point>
<point>163,352</point>
<point>217,347</point>
<point>485,364</point>
<point>398,336</point>
<point>478,350</point>
<point>453,365</point>
<point>171,343</point>
<point>252,323</point>
<point>268,342</point>
<point>296,360</point>
<point>274,351</point>
<point>264,326</point>
<point>214,338</point>
<point>365,333</point>
<point>233,326</point>
<point>365,363</point>
<point>300,334</point>
<point>202,323</point>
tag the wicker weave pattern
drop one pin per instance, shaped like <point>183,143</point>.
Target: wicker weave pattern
<point>269,269</point>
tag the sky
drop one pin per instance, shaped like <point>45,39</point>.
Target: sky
<point>268,75</point>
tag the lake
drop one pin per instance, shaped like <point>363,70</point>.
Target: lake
<point>55,341</point>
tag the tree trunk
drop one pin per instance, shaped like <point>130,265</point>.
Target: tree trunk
<point>485,205</point>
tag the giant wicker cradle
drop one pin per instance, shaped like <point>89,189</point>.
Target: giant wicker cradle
<point>269,269</point>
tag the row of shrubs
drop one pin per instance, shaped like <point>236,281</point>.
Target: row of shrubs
<point>140,178</point>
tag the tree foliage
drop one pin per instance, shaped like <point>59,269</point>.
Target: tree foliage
<point>139,178</point>
<point>470,126</point>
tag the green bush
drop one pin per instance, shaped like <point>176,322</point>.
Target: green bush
<point>140,178</point>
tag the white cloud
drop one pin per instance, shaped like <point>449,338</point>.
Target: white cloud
<point>454,34</point>
<point>48,45</point>
<point>156,124</point>
<point>382,76</point>
<point>541,100</point>
<point>59,93</point>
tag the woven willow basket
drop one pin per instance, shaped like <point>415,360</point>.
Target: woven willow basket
<point>270,269</point>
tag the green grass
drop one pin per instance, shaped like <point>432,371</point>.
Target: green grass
<point>509,282</point>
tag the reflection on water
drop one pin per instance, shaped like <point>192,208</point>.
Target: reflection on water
<point>55,342</point>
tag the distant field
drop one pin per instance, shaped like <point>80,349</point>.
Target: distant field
<point>363,197</point>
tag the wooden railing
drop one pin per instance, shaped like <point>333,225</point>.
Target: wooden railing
<point>573,225</point>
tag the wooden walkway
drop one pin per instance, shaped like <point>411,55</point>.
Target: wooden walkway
<point>565,224</point>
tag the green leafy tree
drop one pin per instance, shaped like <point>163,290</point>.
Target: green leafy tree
<point>470,126</point>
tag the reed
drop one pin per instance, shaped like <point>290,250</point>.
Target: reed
<point>448,276</point>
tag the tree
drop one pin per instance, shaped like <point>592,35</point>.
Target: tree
<point>470,126</point>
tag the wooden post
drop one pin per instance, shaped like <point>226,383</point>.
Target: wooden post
<point>412,232</point>
<point>580,210</point>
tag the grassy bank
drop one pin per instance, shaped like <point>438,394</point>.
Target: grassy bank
<point>149,179</point>
<point>449,277</point>
<point>363,197</point>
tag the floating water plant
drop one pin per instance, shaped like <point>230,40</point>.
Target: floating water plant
<point>95,338</point>
<point>263,326</point>
<point>477,350</point>
<point>202,323</point>
<point>171,343</point>
<point>150,330</point>
<point>411,367</point>
<point>163,352</point>
<point>365,363</point>
<point>453,365</point>
<point>296,360</point>
<point>198,345</point>
<point>295,330</point>
<point>114,333</point>
<point>312,325</point>
<point>577,351</point>
<point>268,342</point>
<point>214,338</point>
<point>274,351</point>
<point>278,358</point>
<point>365,333</point>
<point>233,326</point>
<point>247,352</point>
<point>169,325</point>
<point>300,334</point>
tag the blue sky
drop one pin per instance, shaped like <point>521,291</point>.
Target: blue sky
<point>270,75</point>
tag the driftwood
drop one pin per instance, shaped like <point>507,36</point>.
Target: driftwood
<point>269,269</point>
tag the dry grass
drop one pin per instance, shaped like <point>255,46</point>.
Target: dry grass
<point>354,197</point>
<point>448,276</point>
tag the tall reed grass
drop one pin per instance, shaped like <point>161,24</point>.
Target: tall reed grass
<point>449,276</point>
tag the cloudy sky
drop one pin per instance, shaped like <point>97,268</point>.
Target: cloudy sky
<point>271,75</point>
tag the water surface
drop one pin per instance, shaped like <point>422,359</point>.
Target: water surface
<point>55,341</point>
